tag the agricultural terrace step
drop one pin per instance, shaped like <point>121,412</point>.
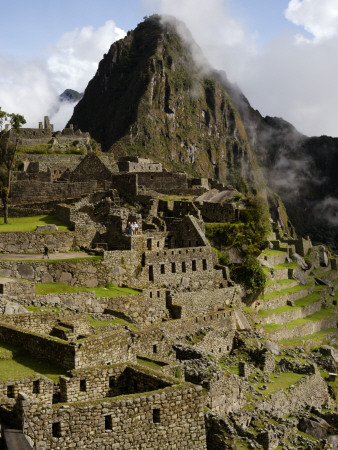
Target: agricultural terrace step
<point>302,327</point>
<point>278,285</point>
<point>273,257</point>
<point>287,313</point>
<point>272,301</point>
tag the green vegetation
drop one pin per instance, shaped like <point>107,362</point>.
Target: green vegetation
<point>319,315</point>
<point>280,381</point>
<point>318,336</point>
<point>97,323</point>
<point>151,363</point>
<point>250,274</point>
<point>22,365</point>
<point>285,291</point>
<point>110,290</point>
<point>270,252</point>
<point>281,282</point>
<point>30,223</point>
<point>47,149</point>
<point>291,265</point>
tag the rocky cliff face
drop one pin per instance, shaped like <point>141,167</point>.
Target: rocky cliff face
<point>150,97</point>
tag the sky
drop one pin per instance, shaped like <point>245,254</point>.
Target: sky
<point>281,53</point>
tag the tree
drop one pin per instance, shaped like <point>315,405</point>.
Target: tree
<point>8,149</point>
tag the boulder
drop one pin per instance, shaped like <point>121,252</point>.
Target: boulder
<point>316,427</point>
<point>49,227</point>
<point>299,260</point>
<point>326,350</point>
<point>272,347</point>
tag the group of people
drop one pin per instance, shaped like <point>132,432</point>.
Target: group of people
<point>132,228</point>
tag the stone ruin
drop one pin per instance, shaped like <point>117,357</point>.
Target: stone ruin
<point>186,319</point>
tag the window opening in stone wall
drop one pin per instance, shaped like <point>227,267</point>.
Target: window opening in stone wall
<point>36,387</point>
<point>155,348</point>
<point>111,382</point>
<point>204,264</point>
<point>151,273</point>
<point>173,267</point>
<point>220,350</point>
<point>108,422</point>
<point>151,294</point>
<point>149,243</point>
<point>162,268</point>
<point>56,429</point>
<point>158,294</point>
<point>156,415</point>
<point>1,288</point>
<point>184,268</point>
<point>193,265</point>
<point>83,385</point>
<point>10,391</point>
<point>158,243</point>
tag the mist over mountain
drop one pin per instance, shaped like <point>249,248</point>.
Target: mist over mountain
<point>155,95</point>
<point>69,95</point>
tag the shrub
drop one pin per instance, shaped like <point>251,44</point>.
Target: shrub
<point>250,274</point>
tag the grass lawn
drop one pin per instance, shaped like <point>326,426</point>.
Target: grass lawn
<point>97,323</point>
<point>152,364</point>
<point>280,381</point>
<point>22,364</point>
<point>319,315</point>
<point>30,223</point>
<point>100,291</point>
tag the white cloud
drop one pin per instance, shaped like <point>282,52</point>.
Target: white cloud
<point>32,88</point>
<point>74,58</point>
<point>320,18</point>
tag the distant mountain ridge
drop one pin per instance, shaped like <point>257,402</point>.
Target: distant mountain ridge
<point>69,95</point>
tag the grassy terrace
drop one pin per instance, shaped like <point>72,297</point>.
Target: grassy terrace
<point>291,265</point>
<point>285,291</point>
<point>300,303</point>
<point>30,223</point>
<point>286,281</point>
<point>110,290</point>
<point>319,315</point>
<point>269,252</point>
<point>20,364</point>
<point>320,336</point>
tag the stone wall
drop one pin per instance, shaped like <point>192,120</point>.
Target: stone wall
<point>298,313</point>
<point>34,241</point>
<point>163,181</point>
<point>154,343</point>
<point>39,191</point>
<point>169,267</point>
<point>76,273</point>
<point>43,347</point>
<point>282,300</point>
<point>153,420</point>
<point>108,381</point>
<point>17,288</point>
<point>303,330</point>
<point>138,165</point>
<point>91,168</point>
<point>125,184</point>
<point>309,391</point>
<point>111,347</point>
<point>205,300</point>
<point>38,387</point>
<point>220,320</point>
<point>215,212</point>
<point>216,343</point>
<point>36,323</point>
